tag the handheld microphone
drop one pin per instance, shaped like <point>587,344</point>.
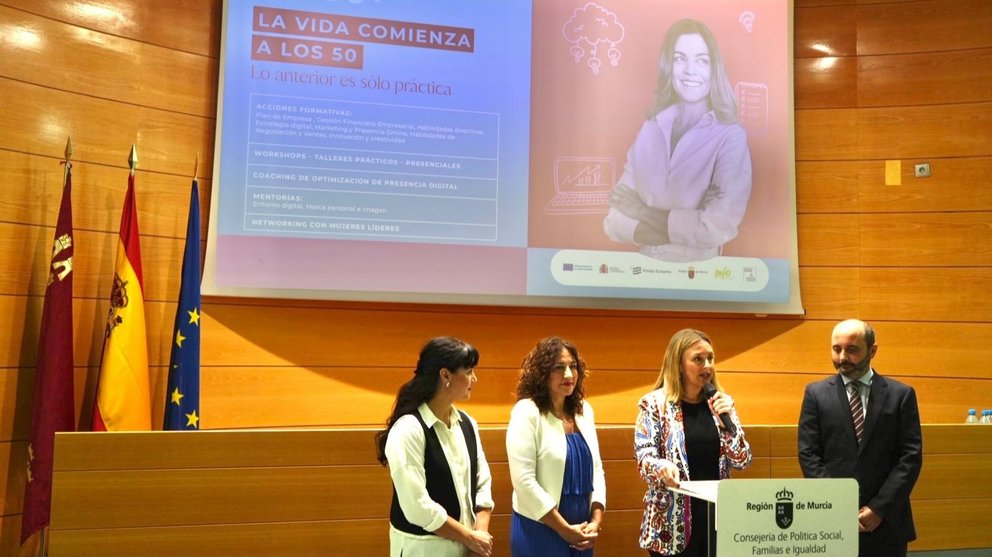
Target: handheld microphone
<point>708,391</point>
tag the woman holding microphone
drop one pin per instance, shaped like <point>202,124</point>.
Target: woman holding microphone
<point>679,437</point>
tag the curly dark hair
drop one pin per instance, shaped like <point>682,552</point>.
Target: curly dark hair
<point>536,369</point>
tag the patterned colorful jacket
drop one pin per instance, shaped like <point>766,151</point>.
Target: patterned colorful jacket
<point>659,438</point>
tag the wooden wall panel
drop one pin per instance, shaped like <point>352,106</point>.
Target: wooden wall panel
<point>859,187</point>
<point>274,395</point>
<point>896,239</point>
<point>829,239</point>
<point>301,398</point>
<point>305,482</point>
<point>923,26</point>
<point>97,195</point>
<point>927,240</point>
<point>955,185</point>
<point>826,134</point>
<point>831,292</point>
<point>901,294</point>
<point>18,384</point>
<point>93,262</point>
<point>181,25</point>
<point>925,294</point>
<point>955,130</point>
<point>907,81</point>
<point>894,133</point>
<point>829,186</point>
<point>803,4</point>
<point>124,495</point>
<point>761,397</point>
<point>10,538</point>
<point>300,539</point>
<point>938,529</point>
<point>924,78</point>
<point>102,131</point>
<point>106,68</point>
<point>827,30</point>
<point>770,344</point>
<point>20,340</point>
<point>941,477</point>
<point>938,439</point>
<point>826,82</point>
<point>12,468</point>
<point>936,519</point>
<point>232,399</point>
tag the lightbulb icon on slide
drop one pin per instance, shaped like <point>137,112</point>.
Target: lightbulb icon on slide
<point>746,20</point>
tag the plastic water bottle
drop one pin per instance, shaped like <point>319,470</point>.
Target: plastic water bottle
<point>972,418</point>
<point>986,419</point>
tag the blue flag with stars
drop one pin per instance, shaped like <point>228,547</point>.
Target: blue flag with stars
<point>182,399</point>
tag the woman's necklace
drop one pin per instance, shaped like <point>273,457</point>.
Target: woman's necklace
<point>567,422</point>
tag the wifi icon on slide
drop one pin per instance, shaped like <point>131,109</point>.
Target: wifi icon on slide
<point>746,19</point>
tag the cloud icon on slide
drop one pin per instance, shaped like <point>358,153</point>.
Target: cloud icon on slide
<point>591,29</point>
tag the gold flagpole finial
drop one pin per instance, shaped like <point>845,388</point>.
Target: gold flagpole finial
<point>196,166</point>
<point>132,159</point>
<point>67,164</point>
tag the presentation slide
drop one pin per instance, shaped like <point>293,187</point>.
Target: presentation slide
<point>628,154</point>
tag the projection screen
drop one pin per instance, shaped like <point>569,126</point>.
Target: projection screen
<point>613,154</point>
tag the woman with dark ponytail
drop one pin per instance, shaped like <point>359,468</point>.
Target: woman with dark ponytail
<point>442,497</point>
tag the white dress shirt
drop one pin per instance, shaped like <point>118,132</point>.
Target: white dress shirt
<point>405,453</point>
<point>704,183</point>
<point>864,387</point>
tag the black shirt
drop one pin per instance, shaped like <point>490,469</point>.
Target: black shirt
<point>702,441</point>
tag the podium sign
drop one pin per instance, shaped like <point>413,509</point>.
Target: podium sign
<point>791,517</point>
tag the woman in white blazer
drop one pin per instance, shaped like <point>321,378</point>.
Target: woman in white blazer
<point>559,489</point>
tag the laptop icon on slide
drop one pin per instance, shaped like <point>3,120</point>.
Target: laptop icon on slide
<point>582,185</point>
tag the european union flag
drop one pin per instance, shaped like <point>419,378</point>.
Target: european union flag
<point>182,399</point>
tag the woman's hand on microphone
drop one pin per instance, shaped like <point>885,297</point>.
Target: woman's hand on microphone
<point>720,403</point>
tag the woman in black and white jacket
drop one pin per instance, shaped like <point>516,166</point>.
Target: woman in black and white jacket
<point>442,495</point>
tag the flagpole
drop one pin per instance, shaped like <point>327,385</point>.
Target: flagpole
<point>66,168</point>
<point>123,390</point>
<point>42,549</point>
<point>42,543</point>
<point>67,162</point>
<point>132,159</point>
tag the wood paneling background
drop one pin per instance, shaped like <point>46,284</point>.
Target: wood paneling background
<point>909,81</point>
<point>265,493</point>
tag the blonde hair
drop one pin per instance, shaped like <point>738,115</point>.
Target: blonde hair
<point>670,376</point>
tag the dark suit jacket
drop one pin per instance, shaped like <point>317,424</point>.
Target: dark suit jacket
<point>889,459</point>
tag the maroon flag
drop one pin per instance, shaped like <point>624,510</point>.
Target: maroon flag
<point>53,382</point>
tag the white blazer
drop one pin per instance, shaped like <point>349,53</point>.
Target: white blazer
<point>536,449</point>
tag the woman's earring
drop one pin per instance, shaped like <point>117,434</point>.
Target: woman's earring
<point>448,384</point>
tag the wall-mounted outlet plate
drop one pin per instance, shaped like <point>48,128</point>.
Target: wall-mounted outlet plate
<point>923,170</point>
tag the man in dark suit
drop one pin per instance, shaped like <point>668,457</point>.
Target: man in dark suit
<point>874,438</point>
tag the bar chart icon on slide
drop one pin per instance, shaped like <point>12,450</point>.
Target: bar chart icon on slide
<point>582,185</point>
